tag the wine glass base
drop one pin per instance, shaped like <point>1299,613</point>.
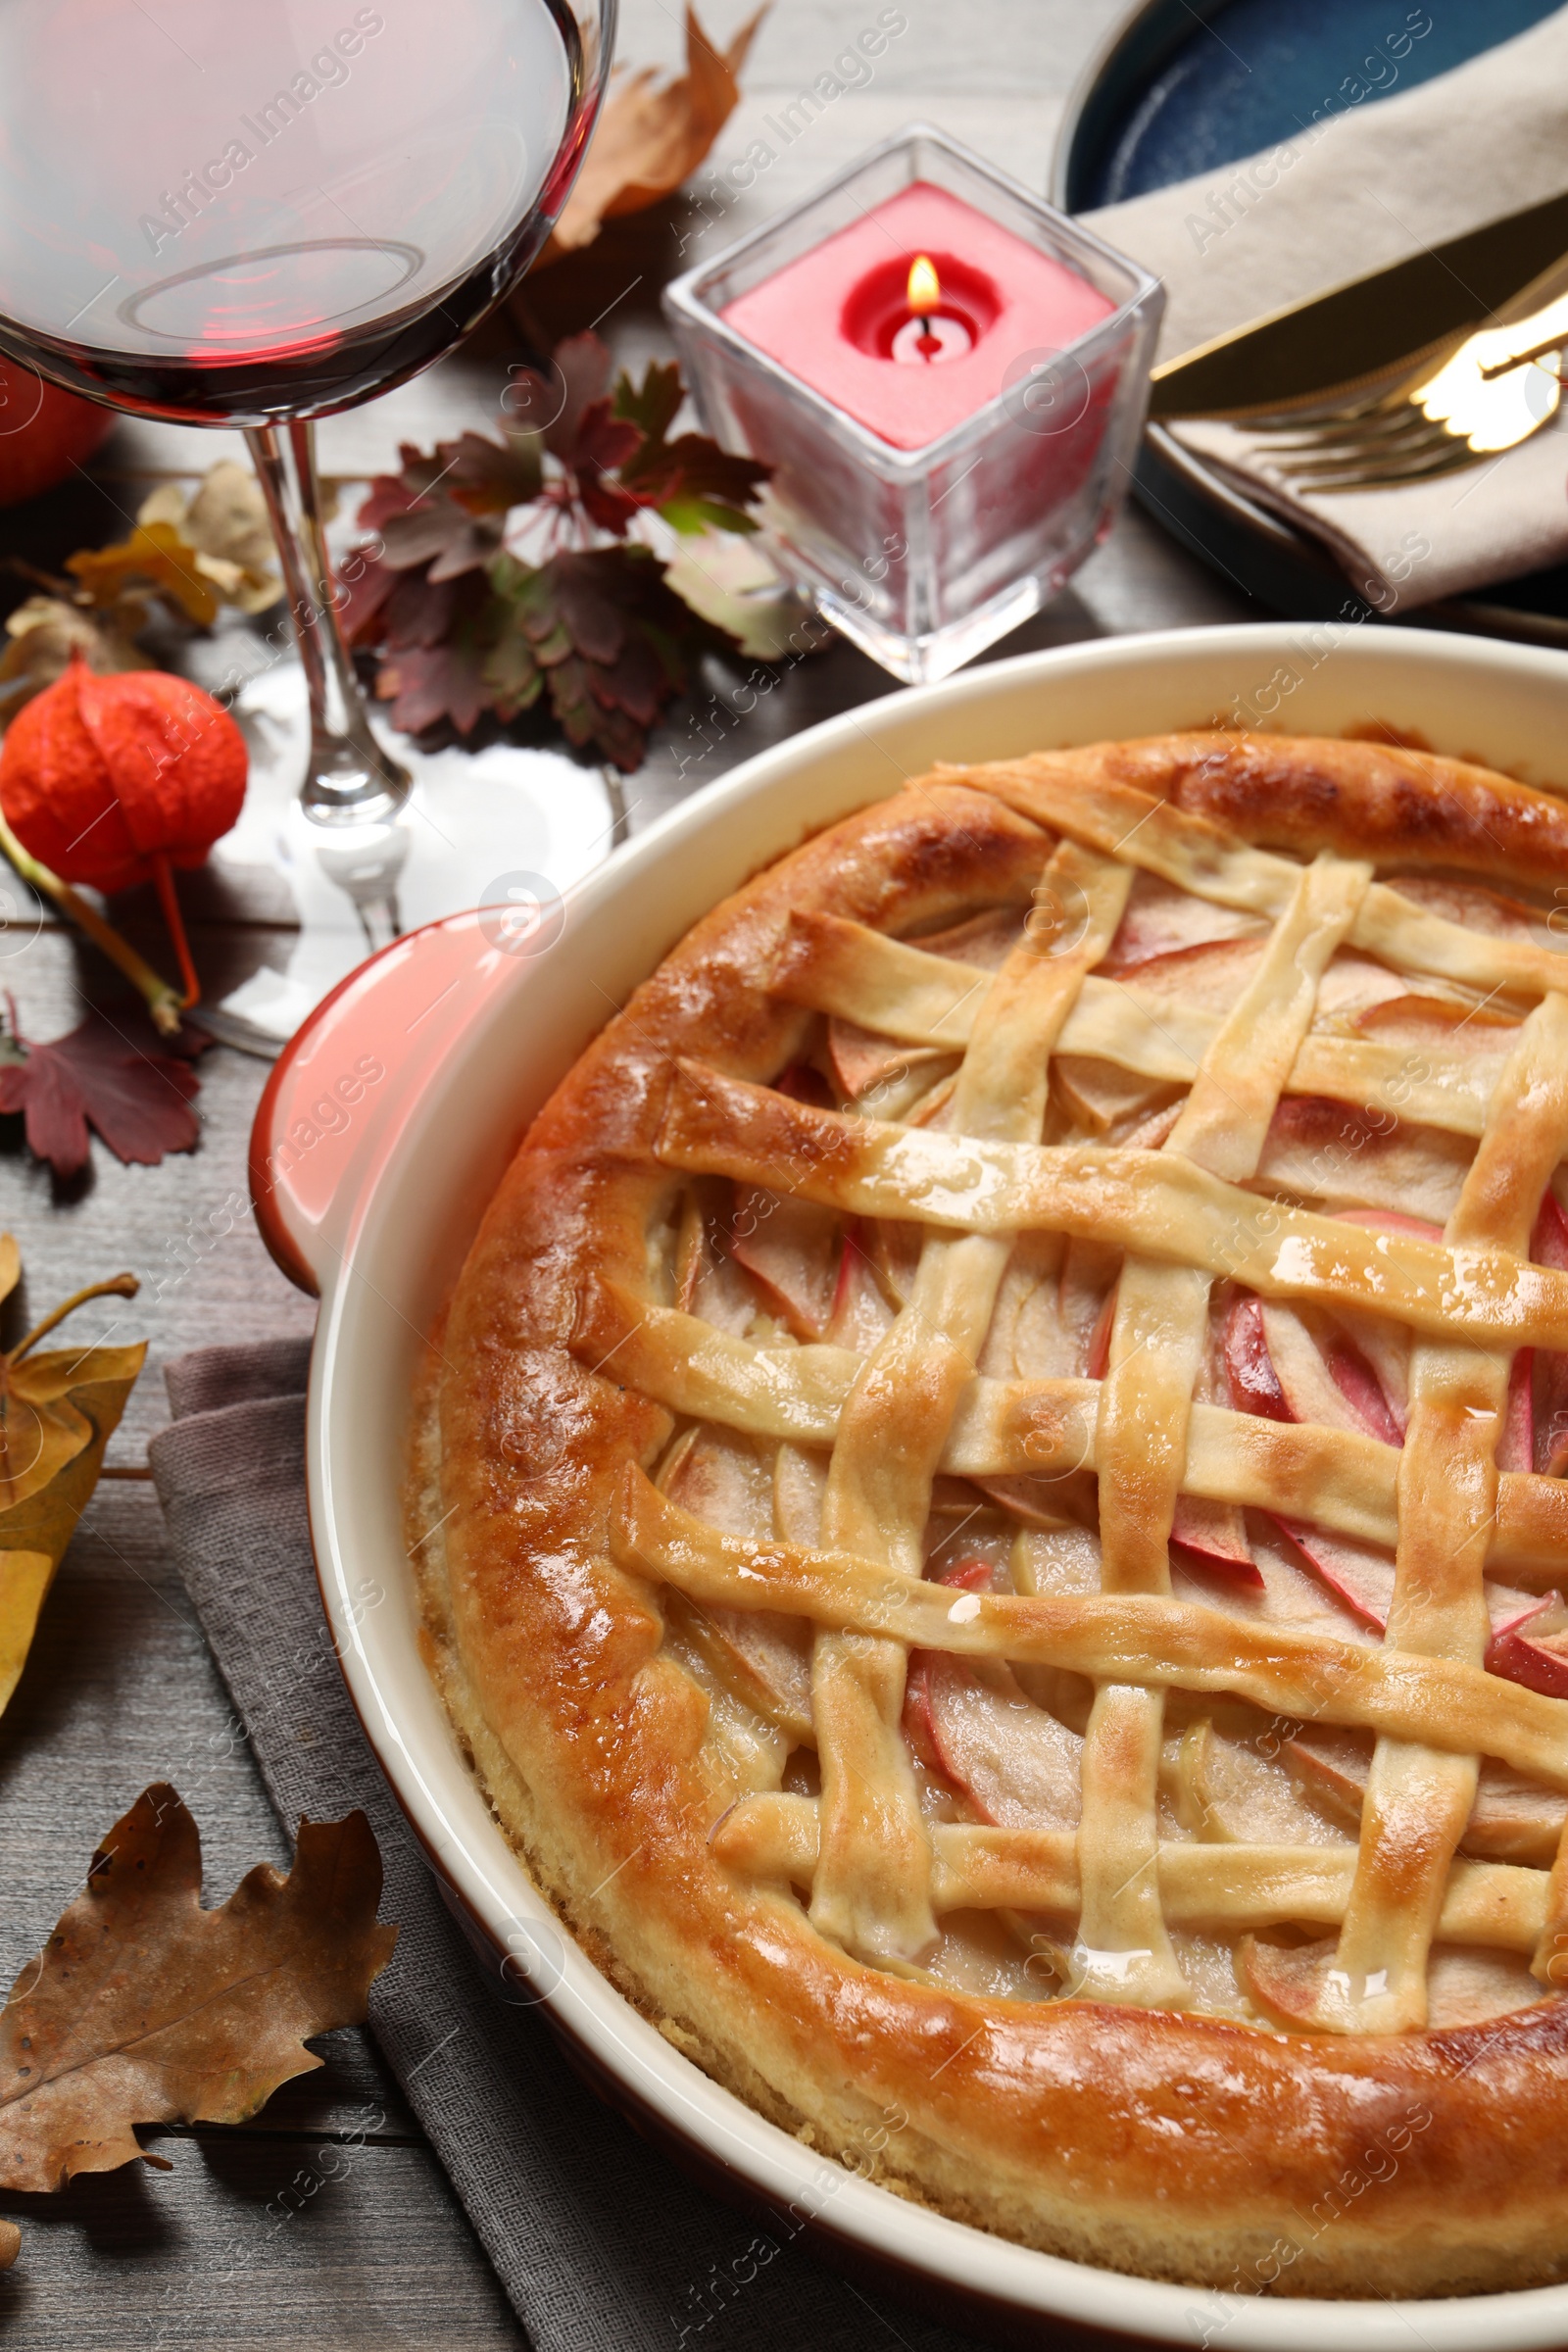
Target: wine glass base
<point>509,826</point>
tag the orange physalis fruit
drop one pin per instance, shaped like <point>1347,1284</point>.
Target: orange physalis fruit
<point>112,781</point>
<point>99,777</point>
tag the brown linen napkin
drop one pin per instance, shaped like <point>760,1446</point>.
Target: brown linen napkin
<point>600,2243</point>
<point>1360,186</point>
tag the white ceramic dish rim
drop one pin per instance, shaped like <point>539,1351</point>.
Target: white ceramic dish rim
<point>393,1189</point>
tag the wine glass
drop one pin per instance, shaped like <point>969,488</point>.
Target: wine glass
<point>260,214</point>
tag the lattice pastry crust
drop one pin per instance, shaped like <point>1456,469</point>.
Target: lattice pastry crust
<point>999,1529</point>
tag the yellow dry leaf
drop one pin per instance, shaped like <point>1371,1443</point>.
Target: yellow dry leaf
<point>649,139</point>
<point>227,528</point>
<point>155,556</point>
<point>58,1412</point>
<point>24,1579</point>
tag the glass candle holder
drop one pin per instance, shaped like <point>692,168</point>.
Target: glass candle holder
<point>950,441</point>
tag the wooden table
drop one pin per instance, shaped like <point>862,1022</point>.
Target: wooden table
<point>371,2248</point>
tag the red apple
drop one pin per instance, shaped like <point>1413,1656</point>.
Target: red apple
<point>1539,1665</point>
<point>791,1249</point>
<point>1363,1390</point>
<point>1517,1448</point>
<point>917,1711</point>
<point>1548,1243</point>
<point>44,433</point>
<point>1363,1580</point>
<point>1358,1576</point>
<point>1213,1536</point>
<point>1254,1383</point>
<point>1017,1765</point>
<point>968,1575</point>
<point>1098,1361</point>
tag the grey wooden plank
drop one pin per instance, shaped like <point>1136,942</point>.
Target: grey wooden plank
<point>119,1690</point>
<point>302,2246</point>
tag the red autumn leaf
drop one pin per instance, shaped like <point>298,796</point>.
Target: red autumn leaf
<point>463,625</point>
<point>491,478</point>
<point>583,366</point>
<point>437,531</point>
<point>109,1076</point>
<point>428,683</point>
<point>429,675</point>
<point>420,609</point>
<point>393,493</point>
<point>363,597</point>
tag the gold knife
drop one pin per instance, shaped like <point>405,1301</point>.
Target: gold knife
<point>1365,327</point>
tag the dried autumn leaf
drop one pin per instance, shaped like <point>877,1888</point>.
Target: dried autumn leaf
<point>58,1411</point>
<point>46,634</point>
<point>225,526</point>
<point>143,2008</point>
<point>650,138</point>
<point>156,556</point>
<point>113,1076</point>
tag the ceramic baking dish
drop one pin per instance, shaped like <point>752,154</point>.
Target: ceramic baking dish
<point>384,1130</point>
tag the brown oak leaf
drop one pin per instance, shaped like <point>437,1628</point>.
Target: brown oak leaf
<point>108,1075</point>
<point>143,2008</point>
<point>651,137</point>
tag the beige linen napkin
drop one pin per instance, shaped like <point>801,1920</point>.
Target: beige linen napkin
<point>1360,186</point>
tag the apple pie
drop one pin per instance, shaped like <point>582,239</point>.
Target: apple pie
<point>991,1507</point>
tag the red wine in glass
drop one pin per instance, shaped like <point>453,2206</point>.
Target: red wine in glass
<point>257,212</point>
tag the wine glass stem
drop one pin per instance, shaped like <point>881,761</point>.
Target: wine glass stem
<point>349,778</point>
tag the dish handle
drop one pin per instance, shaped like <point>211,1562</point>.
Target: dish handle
<point>342,1086</point>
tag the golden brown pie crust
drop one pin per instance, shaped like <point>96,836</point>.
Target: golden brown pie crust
<point>1178,2145</point>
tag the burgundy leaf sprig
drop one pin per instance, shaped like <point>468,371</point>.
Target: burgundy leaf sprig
<point>505,576</point>
<point>131,1087</point>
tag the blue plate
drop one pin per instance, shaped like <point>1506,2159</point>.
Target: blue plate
<point>1188,87</point>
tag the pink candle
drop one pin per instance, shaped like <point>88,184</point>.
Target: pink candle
<point>947,380</point>
<point>840,316</point>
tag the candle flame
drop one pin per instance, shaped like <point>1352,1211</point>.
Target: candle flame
<point>925,287</point>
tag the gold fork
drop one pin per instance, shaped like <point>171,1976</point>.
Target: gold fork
<point>1475,397</point>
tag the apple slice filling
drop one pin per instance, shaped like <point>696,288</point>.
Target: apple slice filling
<point>1288,1368</point>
